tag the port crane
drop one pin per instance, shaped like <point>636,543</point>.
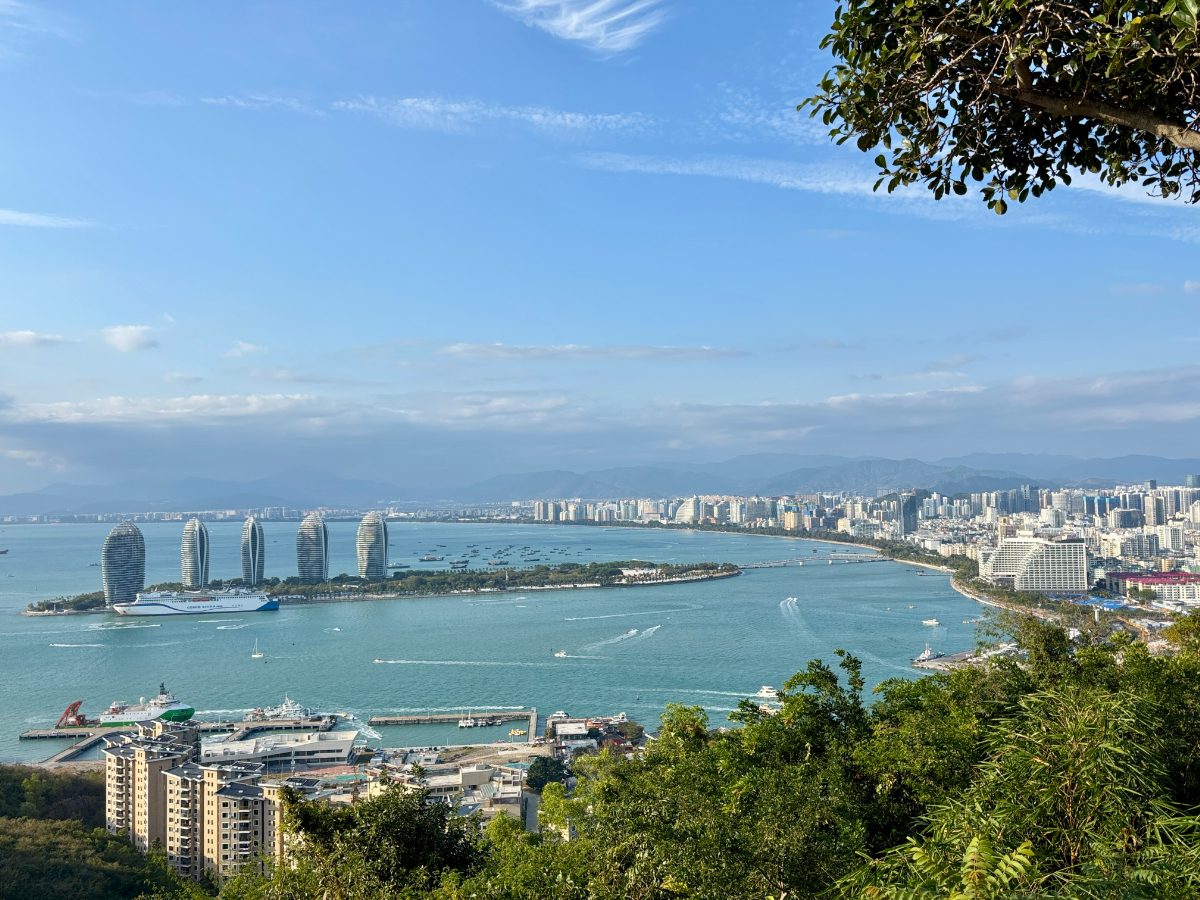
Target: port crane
<point>73,717</point>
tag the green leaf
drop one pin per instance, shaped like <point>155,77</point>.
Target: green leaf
<point>881,161</point>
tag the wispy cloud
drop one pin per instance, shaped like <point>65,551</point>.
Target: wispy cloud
<point>241,348</point>
<point>291,376</point>
<point>21,20</point>
<point>793,176</point>
<point>1142,288</point>
<point>28,339</point>
<point>128,338</point>
<point>1192,287</point>
<point>182,378</point>
<point>745,116</point>
<point>264,101</point>
<point>38,220</point>
<point>606,26</point>
<point>440,114</point>
<point>189,410</point>
<point>944,366</point>
<point>584,352</point>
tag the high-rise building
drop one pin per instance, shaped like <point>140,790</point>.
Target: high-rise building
<point>372,546</point>
<point>252,551</point>
<point>1191,481</point>
<point>193,554</point>
<point>906,513</point>
<point>123,564</point>
<point>312,550</point>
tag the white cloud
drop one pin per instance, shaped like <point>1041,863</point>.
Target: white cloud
<point>439,114</point>
<point>28,339</point>
<point>37,220</point>
<point>182,378</point>
<point>128,338</point>
<point>1192,287</point>
<point>241,348</point>
<point>580,351</point>
<point>606,26</point>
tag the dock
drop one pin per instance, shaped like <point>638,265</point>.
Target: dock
<point>506,715</point>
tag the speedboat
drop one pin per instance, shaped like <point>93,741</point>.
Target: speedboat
<point>930,622</point>
<point>379,660</point>
<point>561,654</point>
<point>767,692</point>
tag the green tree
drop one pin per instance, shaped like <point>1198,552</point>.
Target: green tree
<point>1019,95</point>
<point>544,770</point>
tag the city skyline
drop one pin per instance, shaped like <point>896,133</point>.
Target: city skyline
<point>575,250</point>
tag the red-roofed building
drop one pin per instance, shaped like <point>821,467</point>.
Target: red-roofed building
<point>1171,587</point>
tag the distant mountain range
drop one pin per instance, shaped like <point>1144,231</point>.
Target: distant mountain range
<point>760,473</point>
<point>864,476</point>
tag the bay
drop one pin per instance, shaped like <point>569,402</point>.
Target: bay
<point>629,649</point>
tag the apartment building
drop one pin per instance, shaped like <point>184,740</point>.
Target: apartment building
<point>134,786</point>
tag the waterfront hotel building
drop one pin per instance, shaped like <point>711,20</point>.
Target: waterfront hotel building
<point>123,562</point>
<point>372,546</point>
<point>252,552</point>
<point>193,553</point>
<point>312,550</point>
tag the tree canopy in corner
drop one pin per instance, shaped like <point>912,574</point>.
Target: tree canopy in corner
<point>1018,94</point>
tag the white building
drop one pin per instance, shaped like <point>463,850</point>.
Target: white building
<point>285,753</point>
<point>1033,564</point>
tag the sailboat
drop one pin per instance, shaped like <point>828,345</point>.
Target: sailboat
<point>256,654</point>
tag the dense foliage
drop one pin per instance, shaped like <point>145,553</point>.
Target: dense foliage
<point>1018,95</point>
<point>500,578</point>
<point>53,845</point>
<point>39,794</point>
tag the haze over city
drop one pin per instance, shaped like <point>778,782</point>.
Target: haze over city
<point>432,243</point>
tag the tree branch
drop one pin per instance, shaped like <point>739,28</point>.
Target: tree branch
<point>1179,135</point>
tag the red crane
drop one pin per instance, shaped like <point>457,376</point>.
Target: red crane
<point>72,717</point>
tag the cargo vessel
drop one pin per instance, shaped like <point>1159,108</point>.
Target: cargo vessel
<point>187,603</point>
<point>165,706</point>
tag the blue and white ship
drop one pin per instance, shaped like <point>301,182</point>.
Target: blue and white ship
<point>188,603</point>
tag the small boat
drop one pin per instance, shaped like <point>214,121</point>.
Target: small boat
<point>2,552</point>
<point>257,654</point>
<point>767,692</point>
<point>559,715</point>
<point>930,622</point>
<point>467,722</point>
<point>429,557</point>
<point>398,566</point>
<point>561,654</point>
<point>379,660</point>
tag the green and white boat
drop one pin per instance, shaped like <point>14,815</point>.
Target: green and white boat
<point>165,706</point>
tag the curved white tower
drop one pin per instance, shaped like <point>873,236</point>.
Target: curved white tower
<point>123,562</point>
<point>252,551</point>
<point>193,554</point>
<point>312,550</point>
<point>372,546</point>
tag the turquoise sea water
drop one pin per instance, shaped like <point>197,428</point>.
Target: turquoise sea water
<point>629,649</point>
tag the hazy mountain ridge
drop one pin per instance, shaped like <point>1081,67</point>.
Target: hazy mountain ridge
<point>761,473</point>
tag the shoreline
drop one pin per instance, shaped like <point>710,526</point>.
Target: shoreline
<point>355,598</point>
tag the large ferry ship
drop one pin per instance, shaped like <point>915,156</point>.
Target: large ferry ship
<point>164,706</point>
<point>186,603</point>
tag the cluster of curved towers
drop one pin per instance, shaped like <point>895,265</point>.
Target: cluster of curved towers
<point>123,559</point>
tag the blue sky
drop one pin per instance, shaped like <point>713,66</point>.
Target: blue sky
<point>434,241</point>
